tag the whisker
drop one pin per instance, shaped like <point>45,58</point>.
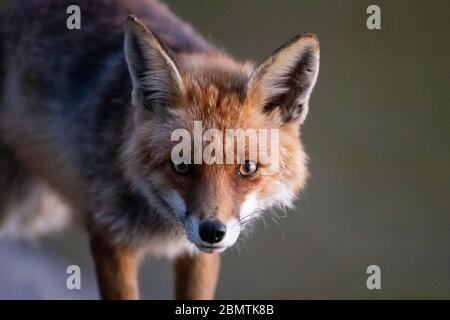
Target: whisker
<point>247,218</point>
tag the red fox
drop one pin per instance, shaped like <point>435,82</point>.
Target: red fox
<point>87,120</point>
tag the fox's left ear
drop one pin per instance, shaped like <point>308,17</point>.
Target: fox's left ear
<point>156,78</point>
<point>285,80</point>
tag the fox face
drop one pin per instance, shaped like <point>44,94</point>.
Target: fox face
<point>216,183</point>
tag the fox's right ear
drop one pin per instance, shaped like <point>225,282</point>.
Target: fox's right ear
<point>155,76</point>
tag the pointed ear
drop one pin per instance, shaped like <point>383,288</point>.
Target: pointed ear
<point>285,80</point>
<point>155,76</point>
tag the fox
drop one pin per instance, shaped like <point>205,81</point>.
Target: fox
<point>86,124</point>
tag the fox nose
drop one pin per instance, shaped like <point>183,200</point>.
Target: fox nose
<point>212,231</point>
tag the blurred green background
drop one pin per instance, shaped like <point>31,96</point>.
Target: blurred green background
<point>378,138</point>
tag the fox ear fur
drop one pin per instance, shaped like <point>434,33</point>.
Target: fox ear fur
<point>285,80</point>
<point>155,76</point>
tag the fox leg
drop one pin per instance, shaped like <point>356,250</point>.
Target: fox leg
<point>196,276</point>
<point>116,268</point>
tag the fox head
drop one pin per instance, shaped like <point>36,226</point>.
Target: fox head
<point>197,93</point>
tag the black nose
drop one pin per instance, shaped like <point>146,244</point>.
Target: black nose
<point>212,231</point>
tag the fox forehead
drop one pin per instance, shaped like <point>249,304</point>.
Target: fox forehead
<point>214,91</point>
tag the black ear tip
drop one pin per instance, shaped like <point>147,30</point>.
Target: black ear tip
<point>309,35</point>
<point>303,40</point>
<point>311,39</point>
<point>132,22</point>
<point>132,18</point>
<point>135,23</point>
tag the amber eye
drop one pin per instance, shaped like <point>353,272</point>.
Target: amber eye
<point>248,169</point>
<point>182,168</point>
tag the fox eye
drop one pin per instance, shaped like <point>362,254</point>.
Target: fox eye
<point>248,169</point>
<point>181,168</point>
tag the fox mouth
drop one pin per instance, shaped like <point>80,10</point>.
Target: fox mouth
<point>210,248</point>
